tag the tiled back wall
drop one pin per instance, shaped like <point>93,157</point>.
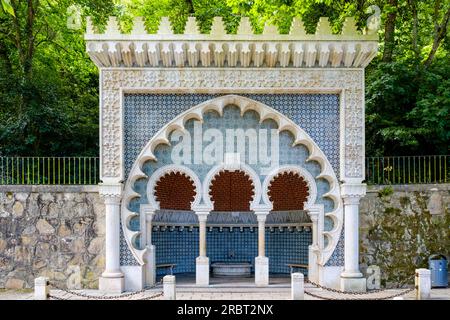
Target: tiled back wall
<point>181,247</point>
<point>145,114</point>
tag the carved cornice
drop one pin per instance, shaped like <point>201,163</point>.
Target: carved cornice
<point>220,49</point>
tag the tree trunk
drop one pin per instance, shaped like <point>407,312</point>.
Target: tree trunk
<point>191,7</point>
<point>389,31</point>
<point>440,31</point>
<point>415,29</point>
<point>28,59</point>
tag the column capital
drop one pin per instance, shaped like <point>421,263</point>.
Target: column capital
<point>202,211</point>
<point>111,192</point>
<point>148,211</point>
<point>353,192</point>
<point>202,216</point>
<point>261,217</point>
<point>202,208</point>
<point>262,209</point>
<point>315,210</point>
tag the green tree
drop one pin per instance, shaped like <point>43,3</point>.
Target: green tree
<point>49,96</point>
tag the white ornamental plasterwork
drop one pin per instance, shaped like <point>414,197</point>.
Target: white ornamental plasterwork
<point>348,82</point>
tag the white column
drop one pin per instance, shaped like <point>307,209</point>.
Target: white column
<point>316,214</point>
<point>313,250</point>
<point>112,280</point>
<point>147,212</point>
<point>351,243</point>
<point>261,261</point>
<point>202,234</point>
<point>202,261</point>
<point>261,235</point>
<point>351,278</point>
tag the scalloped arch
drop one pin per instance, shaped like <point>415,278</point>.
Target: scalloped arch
<point>242,167</point>
<point>311,199</point>
<point>265,112</point>
<point>159,173</point>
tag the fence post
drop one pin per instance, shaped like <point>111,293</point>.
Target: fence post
<point>423,284</point>
<point>297,286</point>
<point>41,288</point>
<point>169,288</point>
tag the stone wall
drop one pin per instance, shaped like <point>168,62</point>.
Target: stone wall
<point>54,231</point>
<point>401,226</point>
<point>58,231</point>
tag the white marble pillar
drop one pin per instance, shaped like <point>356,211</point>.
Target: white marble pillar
<point>202,261</point>
<point>261,261</point>
<point>147,212</point>
<point>112,279</point>
<point>316,215</point>
<point>351,278</point>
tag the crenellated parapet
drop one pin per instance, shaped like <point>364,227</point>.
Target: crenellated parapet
<point>349,49</point>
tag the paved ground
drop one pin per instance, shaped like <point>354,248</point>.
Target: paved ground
<point>224,292</point>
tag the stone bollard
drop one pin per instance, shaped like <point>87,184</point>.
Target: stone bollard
<point>297,286</point>
<point>41,288</point>
<point>423,284</point>
<point>169,288</point>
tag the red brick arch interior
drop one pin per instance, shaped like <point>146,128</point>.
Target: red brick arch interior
<point>288,191</point>
<point>175,191</point>
<point>231,191</point>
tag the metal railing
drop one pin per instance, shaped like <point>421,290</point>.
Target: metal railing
<point>407,169</point>
<point>49,170</point>
<point>85,170</point>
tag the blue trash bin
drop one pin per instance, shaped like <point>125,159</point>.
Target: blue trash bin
<point>437,264</point>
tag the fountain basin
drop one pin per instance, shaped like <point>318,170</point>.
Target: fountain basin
<point>231,269</point>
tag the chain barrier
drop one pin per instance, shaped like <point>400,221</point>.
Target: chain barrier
<point>116,297</point>
<point>353,293</point>
<point>343,292</point>
<point>135,293</point>
<point>366,298</point>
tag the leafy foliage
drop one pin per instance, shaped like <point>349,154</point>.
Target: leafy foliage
<point>49,86</point>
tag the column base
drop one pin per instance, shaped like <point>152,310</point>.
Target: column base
<point>202,271</point>
<point>111,285</point>
<point>261,271</point>
<point>353,284</point>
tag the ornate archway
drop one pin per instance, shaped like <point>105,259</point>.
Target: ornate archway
<point>260,204</point>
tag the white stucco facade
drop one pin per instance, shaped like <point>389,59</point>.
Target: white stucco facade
<point>231,65</point>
